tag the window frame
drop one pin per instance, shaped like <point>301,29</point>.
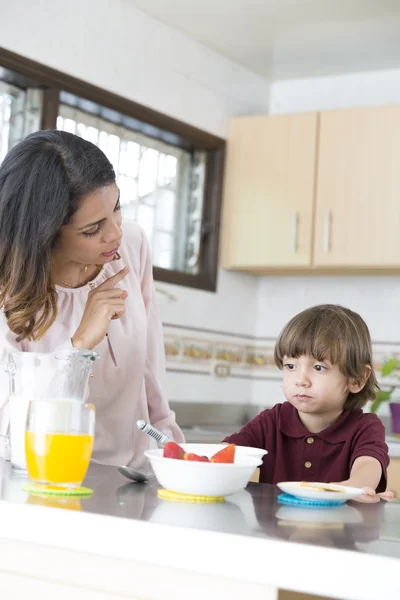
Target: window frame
<point>22,71</point>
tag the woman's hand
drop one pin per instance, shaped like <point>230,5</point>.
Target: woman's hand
<point>104,303</point>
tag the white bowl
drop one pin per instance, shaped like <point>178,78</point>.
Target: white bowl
<point>201,478</point>
<point>210,449</point>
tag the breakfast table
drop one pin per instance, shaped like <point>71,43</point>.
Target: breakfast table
<point>124,541</point>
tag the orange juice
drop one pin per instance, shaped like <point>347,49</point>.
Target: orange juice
<point>58,457</point>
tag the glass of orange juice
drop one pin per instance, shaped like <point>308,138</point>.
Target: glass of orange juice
<point>59,442</point>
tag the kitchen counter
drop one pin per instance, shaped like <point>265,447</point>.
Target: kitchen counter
<point>125,542</point>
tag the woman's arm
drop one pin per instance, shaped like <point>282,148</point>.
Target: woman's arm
<point>160,413</point>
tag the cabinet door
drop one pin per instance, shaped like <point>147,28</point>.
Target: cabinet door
<point>268,193</point>
<point>358,189</point>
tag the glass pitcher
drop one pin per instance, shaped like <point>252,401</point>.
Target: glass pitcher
<point>62,375</point>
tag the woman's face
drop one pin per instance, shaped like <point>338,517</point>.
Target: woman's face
<point>93,235</point>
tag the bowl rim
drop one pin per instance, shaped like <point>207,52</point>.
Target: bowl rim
<point>260,451</point>
<point>245,461</point>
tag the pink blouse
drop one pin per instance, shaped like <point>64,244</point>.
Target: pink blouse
<point>129,379</point>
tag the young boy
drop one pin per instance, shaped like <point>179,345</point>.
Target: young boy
<point>321,433</point>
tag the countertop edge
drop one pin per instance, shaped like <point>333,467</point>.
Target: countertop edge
<point>236,557</point>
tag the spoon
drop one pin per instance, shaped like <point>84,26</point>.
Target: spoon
<point>134,474</point>
<point>161,439</point>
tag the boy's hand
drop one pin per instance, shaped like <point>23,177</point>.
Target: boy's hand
<point>370,496</point>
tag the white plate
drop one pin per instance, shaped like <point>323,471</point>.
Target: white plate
<point>343,494</point>
<point>335,515</point>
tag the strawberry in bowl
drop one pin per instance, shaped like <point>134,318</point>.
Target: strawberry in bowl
<point>174,450</point>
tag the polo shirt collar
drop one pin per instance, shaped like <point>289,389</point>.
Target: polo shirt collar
<point>290,425</point>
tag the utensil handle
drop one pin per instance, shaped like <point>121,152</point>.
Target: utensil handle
<point>160,437</point>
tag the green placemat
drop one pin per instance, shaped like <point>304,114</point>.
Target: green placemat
<point>34,488</point>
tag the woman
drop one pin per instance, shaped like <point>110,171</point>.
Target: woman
<point>71,275</point>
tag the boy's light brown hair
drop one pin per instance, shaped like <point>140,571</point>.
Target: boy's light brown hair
<point>337,334</point>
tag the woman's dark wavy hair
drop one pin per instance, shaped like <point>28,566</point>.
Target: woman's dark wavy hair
<point>43,181</point>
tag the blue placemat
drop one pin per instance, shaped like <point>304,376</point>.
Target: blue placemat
<point>294,501</point>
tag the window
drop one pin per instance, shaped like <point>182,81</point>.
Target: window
<point>19,114</point>
<point>5,113</point>
<point>158,183</point>
<point>169,173</point>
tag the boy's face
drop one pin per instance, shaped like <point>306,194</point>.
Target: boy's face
<point>315,387</point>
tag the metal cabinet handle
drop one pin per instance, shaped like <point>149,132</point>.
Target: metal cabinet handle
<point>327,230</point>
<point>294,232</point>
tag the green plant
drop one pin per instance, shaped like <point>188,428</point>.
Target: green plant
<point>385,395</point>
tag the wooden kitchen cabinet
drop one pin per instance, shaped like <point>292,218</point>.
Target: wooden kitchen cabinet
<point>314,192</point>
<point>357,218</point>
<point>268,192</point>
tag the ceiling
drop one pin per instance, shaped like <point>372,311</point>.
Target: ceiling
<point>285,39</point>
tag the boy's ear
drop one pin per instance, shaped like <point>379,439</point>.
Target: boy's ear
<point>357,386</point>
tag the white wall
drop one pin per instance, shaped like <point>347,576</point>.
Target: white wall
<point>372,88</point>
<point>114,46</point>
<point>231,309</point>
<point>375,298</point>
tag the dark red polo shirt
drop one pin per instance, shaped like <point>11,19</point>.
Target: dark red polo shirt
<point>295,454</point>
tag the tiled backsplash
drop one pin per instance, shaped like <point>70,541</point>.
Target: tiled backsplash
<point>233,355</point>
<point>199,351</point>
